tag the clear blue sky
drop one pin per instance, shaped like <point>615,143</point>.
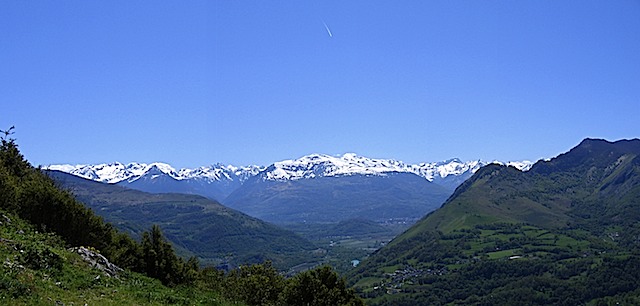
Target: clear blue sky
<point>251,82</point>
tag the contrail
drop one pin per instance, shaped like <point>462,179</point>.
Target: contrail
<point>326,27</point>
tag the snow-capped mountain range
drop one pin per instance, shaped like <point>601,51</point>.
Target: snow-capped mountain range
<point>319,165</point>
<point>117,172</point>
<point>306,167</point>
<point>297,190</point>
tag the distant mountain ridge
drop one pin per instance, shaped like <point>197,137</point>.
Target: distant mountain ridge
<point>117,172</point>
<point>215,181</point>
<point>306,167</point>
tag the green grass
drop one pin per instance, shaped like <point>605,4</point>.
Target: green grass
<point>525,237</point>
<point>368,281</point>
<point>38,270</point>
<point>468,221</point>
<point>390,269</point>
<point>504,253</point>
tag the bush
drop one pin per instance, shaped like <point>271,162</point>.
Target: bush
<point>321,286</point>
<point>40,257</point>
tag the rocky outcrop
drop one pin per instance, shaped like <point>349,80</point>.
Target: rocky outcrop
<point>97,261</point>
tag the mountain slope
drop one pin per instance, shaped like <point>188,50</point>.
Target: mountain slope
<point>156,181</point>
<point>332,199</point>
<point>196,225</point>
<point>589,180</point>
<point>563,224</point>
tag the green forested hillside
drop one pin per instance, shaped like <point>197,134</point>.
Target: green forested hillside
<point>197,226</point>
<point>565,232</point>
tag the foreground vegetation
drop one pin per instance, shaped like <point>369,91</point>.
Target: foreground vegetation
<point>38,269</point>
<point>41,224</point>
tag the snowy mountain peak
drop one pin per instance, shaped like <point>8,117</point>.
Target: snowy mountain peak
<point>218,172</point>
<point>442,169</point>
<point>117,172</point>
<point>524,165</point>
<point>319,165</point>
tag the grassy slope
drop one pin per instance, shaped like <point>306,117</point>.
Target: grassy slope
<point>494,194</point>
<point>37,269</point>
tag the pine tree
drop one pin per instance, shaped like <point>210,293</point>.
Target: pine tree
<point>159,259</point>
<point>10,157</point>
